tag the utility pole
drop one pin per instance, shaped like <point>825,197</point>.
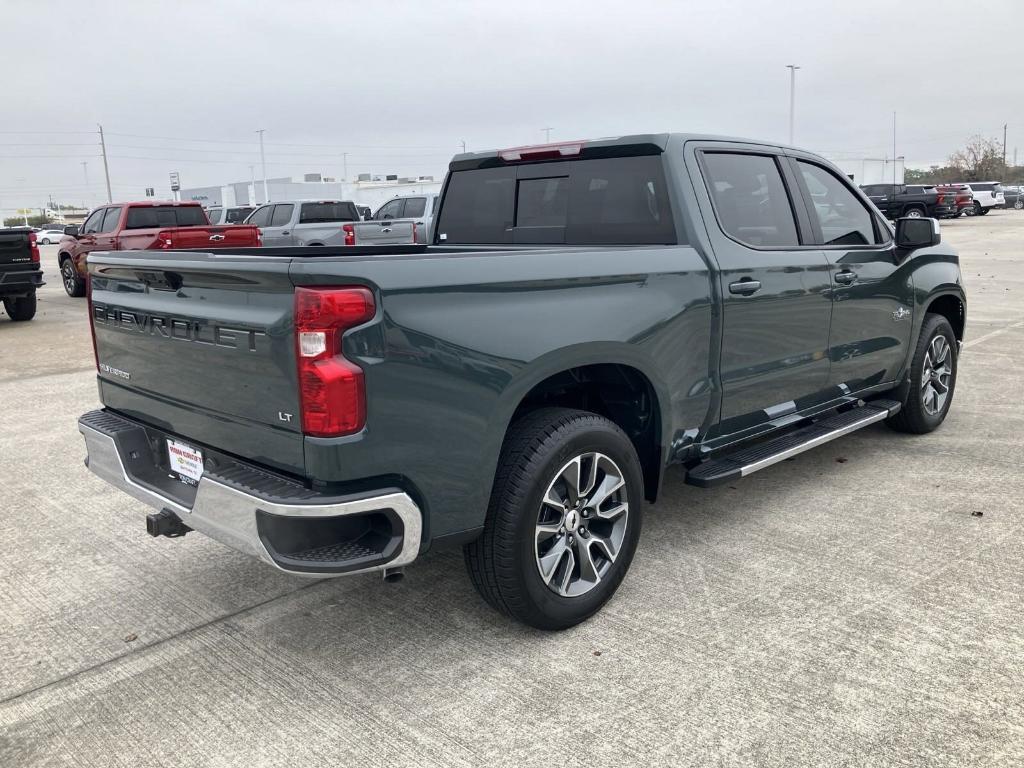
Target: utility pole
<point>263,164</point>
<point>894,150</point>
<point>344,166</point>
<point>547,134</point>
<point>106,169</point>
<point>1014,157</point>
<point>85,172</point>
<point>1004,145</point>
<point>463,143</point>
<point>792,98</point>
<point>252,175</point>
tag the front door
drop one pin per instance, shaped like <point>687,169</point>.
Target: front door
<point>873,293</point>
<point>775,288</point>
<point>87,236</point>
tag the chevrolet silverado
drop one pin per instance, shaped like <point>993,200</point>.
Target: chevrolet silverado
<point>587,315</point>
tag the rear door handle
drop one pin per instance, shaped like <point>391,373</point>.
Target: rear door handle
<point>745,287</point>
<point>845,277</point>
<point>286,232</point>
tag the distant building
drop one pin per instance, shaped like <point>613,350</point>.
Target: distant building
<point>369,190</point>
<point>871,170</point>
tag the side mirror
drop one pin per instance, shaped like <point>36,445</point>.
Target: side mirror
<point>72,230</point>
<point>912,234</point>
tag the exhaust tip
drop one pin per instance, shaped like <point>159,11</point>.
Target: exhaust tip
<point>393,575</point>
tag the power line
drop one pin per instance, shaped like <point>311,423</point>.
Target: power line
<point>274,144</point>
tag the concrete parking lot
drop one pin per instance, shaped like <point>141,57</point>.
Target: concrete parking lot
<point>858,605</point>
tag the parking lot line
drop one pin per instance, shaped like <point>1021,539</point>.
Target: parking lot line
<point>988,336</point>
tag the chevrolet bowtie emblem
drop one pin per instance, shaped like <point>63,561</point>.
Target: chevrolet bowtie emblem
<point>216,238</point>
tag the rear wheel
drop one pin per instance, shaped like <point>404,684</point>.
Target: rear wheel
<point>22,308</point>
<point>1019,204</point>
<point>913,213</point>
<point>932,379</point>
<point>563,521</point>
<point>74,285</point>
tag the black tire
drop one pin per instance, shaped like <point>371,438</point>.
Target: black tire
<point>45,241</point>
<point>22,308</point>
<point>916,415</point>
<point>73,283</point>
<point>503,563</point>
<point>1018,205</point>
<point>913,213</point>
<point>978,210</point>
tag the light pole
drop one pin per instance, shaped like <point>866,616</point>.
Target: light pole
<point>792,98</point>
<point>547,134</point>
<point>263,166</point>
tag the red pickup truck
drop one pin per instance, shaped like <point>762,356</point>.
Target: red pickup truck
<point>144,226</point>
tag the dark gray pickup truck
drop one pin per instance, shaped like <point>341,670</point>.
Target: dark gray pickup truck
<point>20,274</point>
<point>587,315</point>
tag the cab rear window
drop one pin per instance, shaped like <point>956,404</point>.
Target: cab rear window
<point>320,213</point>
<point>166,216</point>
<point>607,201</point>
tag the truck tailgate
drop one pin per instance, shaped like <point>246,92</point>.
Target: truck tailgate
<point>385,232</point>
<point>201,345</point>
<point>229,236</point>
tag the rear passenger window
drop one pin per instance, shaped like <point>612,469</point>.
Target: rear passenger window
<point>415,206</point>
<point>282,215</point>
<point>750,199</point>
<point>110,220</point>
<point>843,218</point>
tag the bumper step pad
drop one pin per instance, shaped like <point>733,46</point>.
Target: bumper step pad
<point>749,460</point>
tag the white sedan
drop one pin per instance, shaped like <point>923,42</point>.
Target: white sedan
<point>46,236</point>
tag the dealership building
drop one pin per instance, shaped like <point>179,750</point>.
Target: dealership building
<point>367,189</point>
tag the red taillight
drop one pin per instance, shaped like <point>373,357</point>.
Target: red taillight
<point>33,247</point>
<point>541,151</point>
<point>331,390</point>
<point>350,234</point>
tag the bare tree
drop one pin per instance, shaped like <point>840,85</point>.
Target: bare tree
<point>980,160</point>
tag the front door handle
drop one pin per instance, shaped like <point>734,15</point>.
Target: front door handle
<point>745,287</point>
<point>845,277</point>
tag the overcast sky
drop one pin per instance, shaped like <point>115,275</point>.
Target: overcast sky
<point>398,85</point>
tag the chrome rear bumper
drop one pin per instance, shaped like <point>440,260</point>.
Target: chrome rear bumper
<point>224,511</point>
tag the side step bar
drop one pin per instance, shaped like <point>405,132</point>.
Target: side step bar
<point>748,460</point>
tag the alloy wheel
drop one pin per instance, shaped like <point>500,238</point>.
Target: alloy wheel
<point>936,375</point>
<point>913,213</point>
<point>67,271</point>
<point>581,524</point>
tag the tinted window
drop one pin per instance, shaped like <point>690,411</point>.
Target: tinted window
<point>236,215</point>
<point>415,206</point>
<point>165,216</point>
<point>983,187</point>
<point>282,215</point>
<point>213,214</point>
<point>843,219</point>
<point>391,210</point>
<point>261,217</point>
<point>612,201</point>
<point>433,205</point>
<point>312,213</point>
<point>92,224</point>
<point>110,219</point>
<point>750,199</point>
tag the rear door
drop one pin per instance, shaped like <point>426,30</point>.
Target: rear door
<point>883,196</point>
<point>872,294</point>
<point>386,227</point>
<point>278,230</point>
<point>775,287</point>
<point>202,346</point>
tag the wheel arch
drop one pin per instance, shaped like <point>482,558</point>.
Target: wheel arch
<point>950,306</point>
<point>620,388</point>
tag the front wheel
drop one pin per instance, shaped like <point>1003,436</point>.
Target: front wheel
<point>22,308</point>
<point>564,519</point>
<point>45,241</point>
<point>74,285</point>
<point>932,379</point>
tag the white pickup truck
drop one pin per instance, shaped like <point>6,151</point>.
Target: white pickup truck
<point>325,222</point>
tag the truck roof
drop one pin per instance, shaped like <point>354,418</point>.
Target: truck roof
<point>614,146</point>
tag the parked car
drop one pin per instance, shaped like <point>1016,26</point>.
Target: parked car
<point>987,195</point>
<point>713,304</point>
<point>48,236</point>
<point>1013,197</point>
<point>416,208</point>
<point>324,223</point>
<point>20,273</point>
<point>141,226</point>
<point>963,196</point>
<point>235,215</point>
<point>911,200</point>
